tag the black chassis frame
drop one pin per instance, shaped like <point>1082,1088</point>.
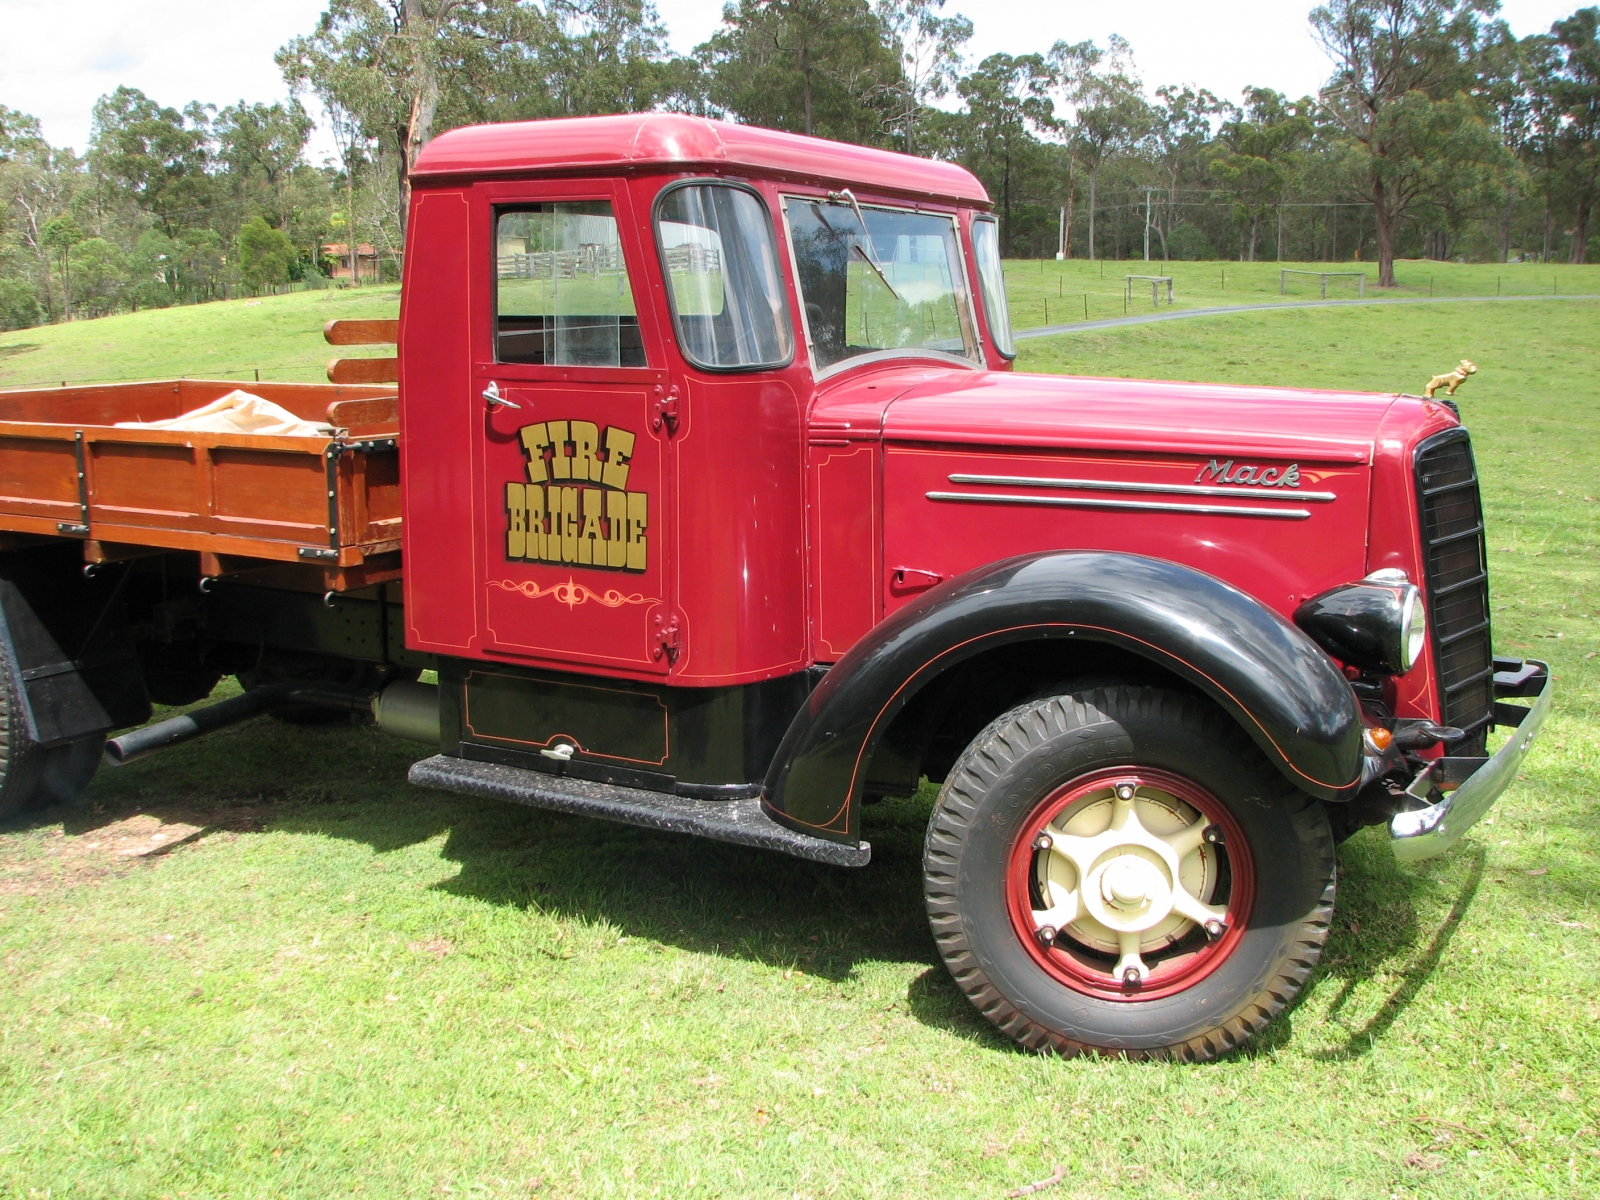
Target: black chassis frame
<point>812,745</point>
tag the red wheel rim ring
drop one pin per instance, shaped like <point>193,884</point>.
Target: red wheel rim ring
<point>1169,977</point>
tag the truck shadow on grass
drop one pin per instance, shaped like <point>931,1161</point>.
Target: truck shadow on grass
<point>703,897</point>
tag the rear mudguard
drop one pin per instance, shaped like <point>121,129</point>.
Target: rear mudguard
<point>1280,687</point>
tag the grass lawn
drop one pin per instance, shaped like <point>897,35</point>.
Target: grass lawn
<point>262,966</point>
<point>1079,290</point>
<point>279,336</point>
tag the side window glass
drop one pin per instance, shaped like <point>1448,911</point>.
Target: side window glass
<point>721,264</point>
<point>992,279</point>
<point>562,295</point>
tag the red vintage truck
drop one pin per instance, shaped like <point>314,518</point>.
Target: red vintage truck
<point>724,513</point>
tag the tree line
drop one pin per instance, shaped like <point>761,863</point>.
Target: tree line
<point>1437,134</point>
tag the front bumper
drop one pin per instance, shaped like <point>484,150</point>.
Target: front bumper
<point>1470,786</point>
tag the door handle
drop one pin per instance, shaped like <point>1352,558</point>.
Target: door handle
<point>493,396</point>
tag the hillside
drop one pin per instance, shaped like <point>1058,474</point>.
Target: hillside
<point>280,336</point>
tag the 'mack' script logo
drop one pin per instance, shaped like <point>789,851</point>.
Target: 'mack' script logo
<point>599,526</point>
<point>1226,472</point>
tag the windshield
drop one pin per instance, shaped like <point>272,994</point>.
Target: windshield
<point>722,272</point>
<point>875,279</point>
<point>986,247</point>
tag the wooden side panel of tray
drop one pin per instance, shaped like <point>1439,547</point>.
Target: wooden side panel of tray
<point>331,504</point>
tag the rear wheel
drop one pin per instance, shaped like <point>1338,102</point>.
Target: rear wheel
<point>1120,870</point>
<point>34,776</point>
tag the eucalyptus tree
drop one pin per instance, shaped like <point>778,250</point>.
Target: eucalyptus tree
<point>1403,91</point>
<point>1575,94</point>
<point>1253,159</point>
<point>402,70</point>
<point>1181,128</point>
<point>1110,116</point>
<point>260,145</point>
<point>930,47</point>
<point>1007,105</point>
<point>1511,74</point>
<point>160,158</point>
<point>59,236</point>
<point>821,67</point>
<point>378,63</point>
<point>38,183</point>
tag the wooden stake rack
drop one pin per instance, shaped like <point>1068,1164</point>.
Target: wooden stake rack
<point>271,507</point>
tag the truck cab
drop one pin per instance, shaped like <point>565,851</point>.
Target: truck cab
<point>724,512</point>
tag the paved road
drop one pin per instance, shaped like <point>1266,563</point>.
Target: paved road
<point>1182,313</point>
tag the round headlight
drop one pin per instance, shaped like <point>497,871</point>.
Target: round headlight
<point>1376,625</point>
<point>1413,629</point>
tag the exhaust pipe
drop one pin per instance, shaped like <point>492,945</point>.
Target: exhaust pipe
<point>409,710</point>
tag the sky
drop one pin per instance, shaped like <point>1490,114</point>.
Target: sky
<point>58,56</point>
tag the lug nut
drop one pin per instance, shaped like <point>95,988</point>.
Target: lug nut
<point>1215,928</point>
<point>1213,834</point>
<point>1043,842</point>
<point>1124,791</point>
<point>1130,977</point>
<point>1047,934</point>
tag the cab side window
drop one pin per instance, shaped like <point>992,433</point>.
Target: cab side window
<point>562,294</point>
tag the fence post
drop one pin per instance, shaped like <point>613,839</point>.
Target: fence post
<point>1283,283</point>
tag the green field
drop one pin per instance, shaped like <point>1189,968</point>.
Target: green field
<point>263,966</point>
<point>1045,292</point>
<point>279,336</point>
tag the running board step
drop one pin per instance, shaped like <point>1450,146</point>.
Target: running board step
<point>740,821</point>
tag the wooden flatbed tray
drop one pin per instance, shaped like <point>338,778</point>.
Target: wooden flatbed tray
<point>243,501</point>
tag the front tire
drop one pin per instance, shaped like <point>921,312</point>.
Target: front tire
<point>1122,871</point>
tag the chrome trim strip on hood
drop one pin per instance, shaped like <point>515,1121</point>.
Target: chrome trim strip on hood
<point>1220,510</point>
<point>1118,485</point>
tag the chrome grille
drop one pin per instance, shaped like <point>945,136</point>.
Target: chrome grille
<point>1456,583</point>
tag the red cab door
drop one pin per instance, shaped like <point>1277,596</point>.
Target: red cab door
<point>574,468</point>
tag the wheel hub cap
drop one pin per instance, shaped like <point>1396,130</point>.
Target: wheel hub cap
<point>1122,868</point>
<point>1128,883</point>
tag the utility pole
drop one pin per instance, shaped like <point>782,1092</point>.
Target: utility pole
<point>1147,193</point>
<point>1061,236</point>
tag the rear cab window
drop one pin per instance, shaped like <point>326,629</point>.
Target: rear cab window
<point>879,281</point>
<point>562,292</point>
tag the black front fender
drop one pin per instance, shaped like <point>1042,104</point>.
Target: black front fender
<point>1269,676</point>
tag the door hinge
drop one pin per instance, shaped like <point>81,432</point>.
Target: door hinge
<point>667,645</point>
<point>664,409</point>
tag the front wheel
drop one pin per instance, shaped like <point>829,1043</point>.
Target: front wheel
<point>1122,871</point>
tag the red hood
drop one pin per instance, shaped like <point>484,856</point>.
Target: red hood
<point>999,408</point>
